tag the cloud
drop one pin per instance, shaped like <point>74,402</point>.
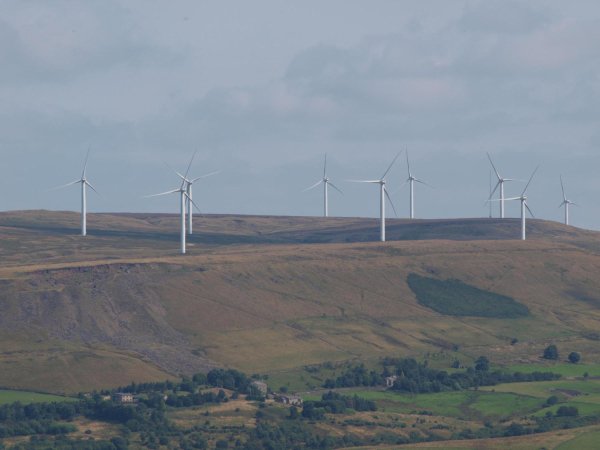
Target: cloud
<point>57,42</point>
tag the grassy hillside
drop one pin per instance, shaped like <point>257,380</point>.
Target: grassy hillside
<point>121,304</point>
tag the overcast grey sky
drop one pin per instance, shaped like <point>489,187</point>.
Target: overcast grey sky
<point>264,89</point>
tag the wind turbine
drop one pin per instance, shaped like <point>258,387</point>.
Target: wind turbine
<point>524,204</point>
<point>183,196</point>
<point>566,202</point>
<point>84,182</point>
<point>383,194</point>
<point>326,183</point>
<point>500,183</point>
<point>189,184</point>
<point>412,180</point>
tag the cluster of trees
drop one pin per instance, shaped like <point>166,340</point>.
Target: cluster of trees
<point>41,418</point>
<point>63,442</point>
<point>418,378</point>
<point>356,376</point>
<point>334,403</point>
<point>551,352</point>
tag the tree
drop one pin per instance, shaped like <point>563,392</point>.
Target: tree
<point>514,341</point>
<point>574,357</point>
<point>482,364</point>
<point>551,352</point>
<point>294,414</point>
<point>567,411</point>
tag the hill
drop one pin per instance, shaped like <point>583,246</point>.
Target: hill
<point>266,294</point>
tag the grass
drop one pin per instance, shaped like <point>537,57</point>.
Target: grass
<point>10,396</point>
<point>505,405</point>
<point>587,441</point>
<point>566,370</point>
<point>455,298</point>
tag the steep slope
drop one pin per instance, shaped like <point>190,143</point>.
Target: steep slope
<point>121,308</point>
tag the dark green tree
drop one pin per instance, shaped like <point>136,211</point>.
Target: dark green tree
<point>482,364</point>
<point>551,352</point>
<point>574,357</point>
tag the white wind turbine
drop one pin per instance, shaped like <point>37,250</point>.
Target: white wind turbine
<point>383,194</point>
<point>523,199</point>
<point>326,183</point>
<point>84,182</point>
<point>566,202</point>
<point>412,180</point>
<point>183,196</point>
<point>500,183</point>
<point>189,184</point>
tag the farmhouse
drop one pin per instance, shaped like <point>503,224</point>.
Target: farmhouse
<point>261,386</point>
<point>122,397</point>
<point>289,399</point>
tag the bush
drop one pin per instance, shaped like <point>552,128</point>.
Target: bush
<point>222,443</point>
<point>551,401</point>
<point>574,357</point>
<point>551,352</point>
<point>567,411</point>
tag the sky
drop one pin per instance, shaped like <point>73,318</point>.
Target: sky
<point>262,90</point>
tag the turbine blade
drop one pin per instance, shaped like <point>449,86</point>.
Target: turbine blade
<point>189,165</point>
<point>523,194</point>
<point>192,201</point>
<point>93,189</point>
<point>506,199</point>
<point>407,164</point>
<point>563,189</point>
<point>313,186</point>
<point>391,203</point>
<point>398,188</point>
<point>361,181</point>
<point>497,174</point>
<point>70,184</point>
<point>331,184</point>
<point>513,179</point>
<point>162,193</point>
<point>492,194</point>
<point>325,167</point>
<point>203,176</point>
<point>391,164</point>
<point>422,182</point>
<point>576,204</point>
<point>529,209</point>
<point>180,176</point>
<point>86,160</point>
<point>560,206</point>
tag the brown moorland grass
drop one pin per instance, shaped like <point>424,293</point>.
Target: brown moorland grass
<point>259,294</point>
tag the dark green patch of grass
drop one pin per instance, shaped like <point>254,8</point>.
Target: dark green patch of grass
<point>455,298</point>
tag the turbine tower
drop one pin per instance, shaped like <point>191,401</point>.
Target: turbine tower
<point>84,182</point>
<point>524,205</point>
<point>412,180</point>
<point>189,184</point>
<point>326,183</point>
<point>383,194</point>
<point>183,196</point>
<point>500,183</point>
<point>566,202</point>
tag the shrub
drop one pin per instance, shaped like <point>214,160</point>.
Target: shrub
<point>482,364</point>
<point>567,411</point>
<point>574,357</point>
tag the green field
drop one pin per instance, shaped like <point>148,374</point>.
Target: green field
<point>467,404</point>
<point>566,370</point>
<point>588,441</point>
<point>24,397</point>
